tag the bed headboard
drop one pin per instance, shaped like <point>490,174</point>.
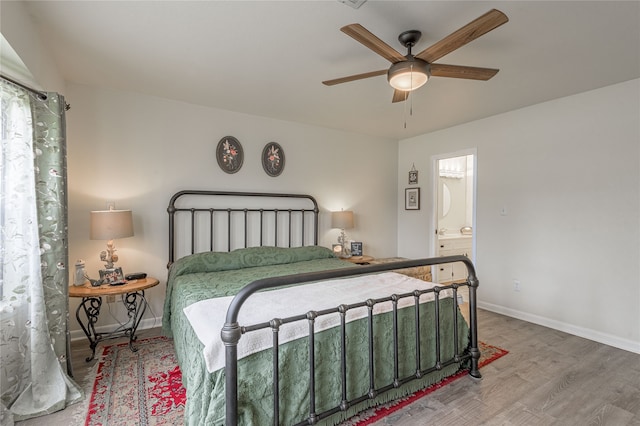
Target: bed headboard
<point>223,221</point>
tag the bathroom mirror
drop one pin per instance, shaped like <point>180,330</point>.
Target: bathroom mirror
<point>446,199</point>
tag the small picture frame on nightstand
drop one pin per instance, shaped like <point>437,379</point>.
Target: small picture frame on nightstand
<point>112,276</point>
<point>356,248</point>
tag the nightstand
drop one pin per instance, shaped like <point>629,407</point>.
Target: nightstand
<point>420,272</point>
<point>359,260</point>
<point>132,296</point>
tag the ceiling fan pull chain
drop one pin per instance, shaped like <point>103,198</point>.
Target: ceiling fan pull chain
<point>406,96</point>
<point>404,113</point>
<point>411,83</point>
<point>411,106</point>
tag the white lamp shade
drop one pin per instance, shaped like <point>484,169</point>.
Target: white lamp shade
<point>408,81</point>
<point>342,219</point>
<point>408,75</point>
<point>111,224</point>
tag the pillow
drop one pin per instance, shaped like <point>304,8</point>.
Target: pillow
<point>246,258</point>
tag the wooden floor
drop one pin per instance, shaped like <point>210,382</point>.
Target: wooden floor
<point>548,378</point>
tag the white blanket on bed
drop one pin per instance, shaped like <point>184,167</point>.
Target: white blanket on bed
<point>207,317</point>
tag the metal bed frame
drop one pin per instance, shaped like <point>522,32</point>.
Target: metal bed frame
<point>233,331</point>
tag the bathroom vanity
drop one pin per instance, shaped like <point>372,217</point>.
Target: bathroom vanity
<point>450,245</point>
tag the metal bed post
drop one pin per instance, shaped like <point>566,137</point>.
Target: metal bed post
<point>172,213</point>
<point>230,335</point>
<point>473,321</point>
<point>311,317</point>
<point>275,327</point>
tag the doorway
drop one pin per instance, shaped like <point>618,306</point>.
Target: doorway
<point>455,212</point>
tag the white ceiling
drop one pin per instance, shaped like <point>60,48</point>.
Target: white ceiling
<point>268,58</point>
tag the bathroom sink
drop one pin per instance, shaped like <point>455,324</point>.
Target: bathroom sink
<point>453,235</point>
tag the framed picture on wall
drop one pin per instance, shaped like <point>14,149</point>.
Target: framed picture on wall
<point>412,199</point>
<point>413,175</point>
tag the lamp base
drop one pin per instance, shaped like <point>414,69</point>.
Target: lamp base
<point>109,255</point>
<point>345,251</point>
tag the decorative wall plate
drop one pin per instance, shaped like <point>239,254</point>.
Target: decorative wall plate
<point>273,159</point>
<point>229,154</point>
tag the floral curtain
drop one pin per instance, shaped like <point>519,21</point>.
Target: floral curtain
<point>34,255</point>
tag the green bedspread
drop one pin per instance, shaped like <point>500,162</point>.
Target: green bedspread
<point>208,275</point>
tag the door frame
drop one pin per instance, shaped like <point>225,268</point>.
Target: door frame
<point>435,180</point>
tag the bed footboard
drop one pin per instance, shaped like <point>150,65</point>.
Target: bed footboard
<point>232,333</point>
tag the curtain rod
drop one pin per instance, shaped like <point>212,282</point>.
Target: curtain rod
<point>38,93</point>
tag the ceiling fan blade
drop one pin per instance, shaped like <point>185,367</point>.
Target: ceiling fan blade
<point>364,36</point>
<point>400,96</point>
<point>354,77</point>
<point>474,29</point>
<point>459,71</point>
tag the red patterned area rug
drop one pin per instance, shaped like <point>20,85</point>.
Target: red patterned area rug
<point>145,387</point>
<point>138,388</point>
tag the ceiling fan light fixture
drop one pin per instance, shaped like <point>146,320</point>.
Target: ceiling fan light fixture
<point>409,75</point>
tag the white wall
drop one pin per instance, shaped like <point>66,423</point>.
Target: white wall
<point>23,36</point>
<point>567,172</point>
<point>138,150</point>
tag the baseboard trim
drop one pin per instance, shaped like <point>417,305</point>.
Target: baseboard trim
<point>596,336</point>
<point>144,324</point>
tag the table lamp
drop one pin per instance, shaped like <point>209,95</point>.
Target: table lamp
<point>110,225</point>
<point>343,220</point>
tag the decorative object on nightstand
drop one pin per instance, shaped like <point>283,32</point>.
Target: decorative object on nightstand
<point>110,225</point>
<point>112,276</point>
<point>356,248</point>
<point>342,220</point>
<point>79,277</point>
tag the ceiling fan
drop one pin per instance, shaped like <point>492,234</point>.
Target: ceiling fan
<point>409,72</point>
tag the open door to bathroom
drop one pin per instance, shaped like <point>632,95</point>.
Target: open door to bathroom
<point>455,192</point>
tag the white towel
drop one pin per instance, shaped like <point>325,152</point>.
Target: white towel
<point>207,317</point>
